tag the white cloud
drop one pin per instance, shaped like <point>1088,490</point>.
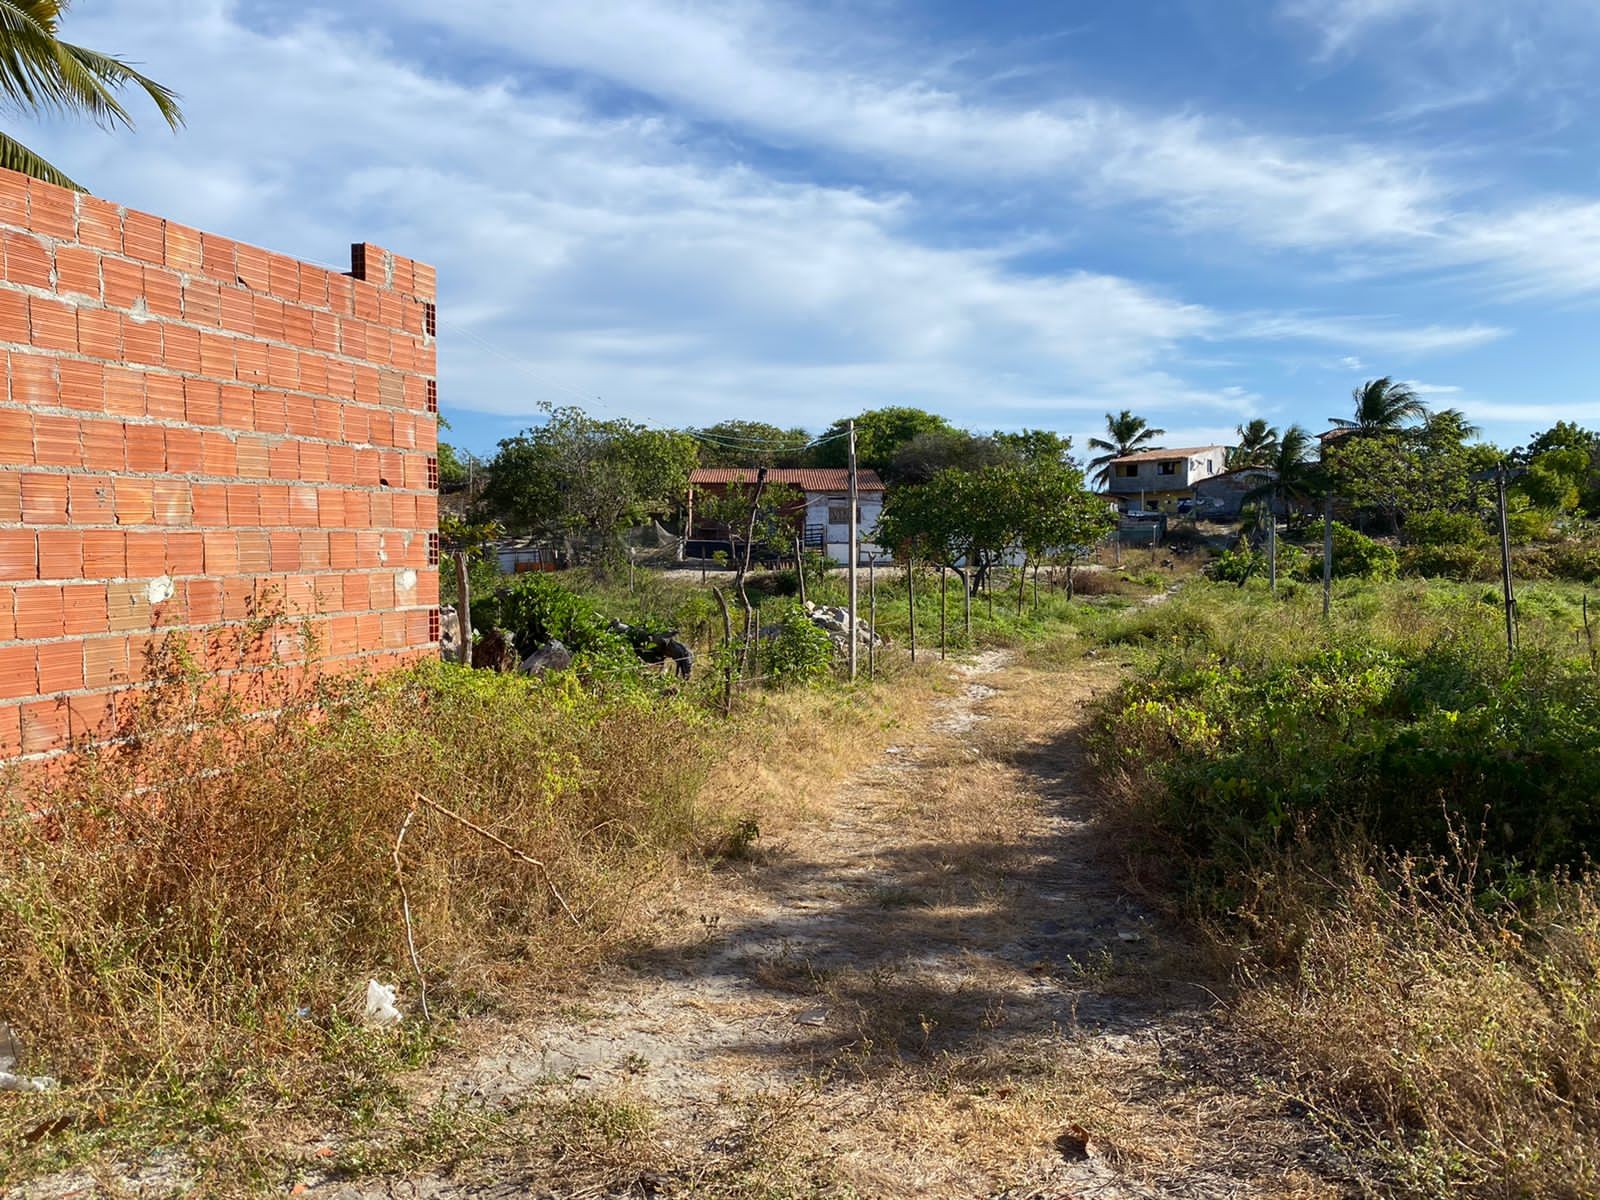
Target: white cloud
<point>1373,335</point>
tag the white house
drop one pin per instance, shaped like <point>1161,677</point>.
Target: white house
<point>822,522</point>
<point>1158,480</point>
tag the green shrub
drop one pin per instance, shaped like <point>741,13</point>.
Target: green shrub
<point>1531,525</point>
<point>1459,560</point>
<point>798,652</point>
<point>1236,565</point>
<point>1442,528</point>
<point>1356,556</point>
<point>537,609</point>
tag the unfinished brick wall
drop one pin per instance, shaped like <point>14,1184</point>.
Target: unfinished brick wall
<point>196,432</point>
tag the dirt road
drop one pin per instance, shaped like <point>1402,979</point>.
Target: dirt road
<point>936,989</point>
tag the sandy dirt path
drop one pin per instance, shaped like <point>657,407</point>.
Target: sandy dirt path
<point>936,989</point>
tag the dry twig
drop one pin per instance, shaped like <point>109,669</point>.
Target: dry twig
<point>405,911</point>
<point>507,847</point>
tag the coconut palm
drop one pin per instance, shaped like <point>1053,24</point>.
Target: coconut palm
<point>41,73</point>
<point>1382,406</point>
<point>1294,471</point>
<point>1258,442</point>
<point>1127,434</point>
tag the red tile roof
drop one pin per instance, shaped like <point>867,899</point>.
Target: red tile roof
<point>807,479</point>
<point>1178,452</point>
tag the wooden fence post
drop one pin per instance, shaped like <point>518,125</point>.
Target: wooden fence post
<point>463,608</point>
<point>727,652</point>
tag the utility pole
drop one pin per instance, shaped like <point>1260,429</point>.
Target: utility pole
<point>1327,555</point>
<point>1505,564</point>
<point>854,500</point>
<point>1272,542</point>
<point>1501,475</point>
<point>463,609</point>
<point>872,611</point>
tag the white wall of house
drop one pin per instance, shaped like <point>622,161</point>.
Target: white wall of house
<point>831,511</point>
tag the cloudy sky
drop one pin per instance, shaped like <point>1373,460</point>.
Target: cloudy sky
<point>1014,214</point>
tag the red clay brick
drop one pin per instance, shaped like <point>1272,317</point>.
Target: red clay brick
<point>84,608</point>
<point>123,282</point>
<point>210,502</point>
<point>147,448</point>
<point>13,199</point>
<point>18,672</point>
<point>45,726</point>
<point>218,456</point>
<point>33,379</point>
<point>61,667</point>
<point>19,554</point>
<point>255,551</point>
<point>217,356</point>
<point>141,342</point>
<point>186,553</point>
<point>91,717</point>
<point>40,612</point>
<point>144,237</point>
<point>135,501</point>
<point>105,554</point>
<point>171,501</point>
<point>99,224</point>
<point>89,500</point>
<point>28,261</point>
<point>44,499</point>
<point>163,293</point>
<point>104,447</point>
<point>57,441</point>
<point>100,333</point>
<point>222,553</point>
<point>16,437</point>
<point>78,271</point>
<point>147,554</point>
<point>60,554</point>
<point>202,402</point>
<point>14,325</point>
<point>52,210</point>
<point>124,392</point>
<point>183,249</point>
<point>163,397</point>
<point>53,325</point>
<point>11,497</point>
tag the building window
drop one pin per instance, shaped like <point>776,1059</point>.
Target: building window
<point>839,514</point>
<point>433,472</point>
<point>433,395</point>
<point>433,549</point>
<point>1127,470</point>
<point>430,319</point>
<point>1167,468</point>
<point>433,624</point>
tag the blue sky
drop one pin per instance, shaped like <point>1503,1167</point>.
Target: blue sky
<point>1023,214</point>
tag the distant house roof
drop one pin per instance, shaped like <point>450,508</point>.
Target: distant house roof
<point>1339,432</point>
<point>1179,452</point>
<point>807,479</point>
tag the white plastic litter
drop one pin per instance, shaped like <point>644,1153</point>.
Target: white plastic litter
<point>25,1083</point>
<point>381,1009</point>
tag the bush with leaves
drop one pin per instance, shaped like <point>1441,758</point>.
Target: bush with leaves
<point>1356,556</point>
<point>536,610</point>
<point>1441,527</point>
<point>799,650</point>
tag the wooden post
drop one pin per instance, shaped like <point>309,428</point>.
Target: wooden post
<point>463,608</point>
<point>944,595</point>
<point>800,568</point>
<point>854,550</point>
<point>1505,564</point>
<point>727,652</point>
<point>872,613</point>
<point>911,600</point>
<point>1327,555</point>
<point>1272,545</point>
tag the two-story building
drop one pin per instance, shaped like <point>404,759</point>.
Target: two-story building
<point>820,516</point>
<point>1161,480</point>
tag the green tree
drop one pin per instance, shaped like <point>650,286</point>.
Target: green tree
<point>1295,475</point>
<point>750,444</point>
<point>1125,434</point>
<point>585,479</point>
<point>41,73</point>
<point>926,454</point>
<point>1420,468</point>
<point>1036,446</point>
<point>1258,445</point>
<point>879,433</point>
<point>1382,406</point>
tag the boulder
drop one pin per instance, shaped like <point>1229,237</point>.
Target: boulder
<point>552,656</point>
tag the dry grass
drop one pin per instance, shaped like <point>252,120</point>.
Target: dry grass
<point>187,922</point>
<point>1460,1046</point>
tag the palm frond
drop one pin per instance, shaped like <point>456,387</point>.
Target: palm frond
<point>94,77</point>
<point>14,156</point>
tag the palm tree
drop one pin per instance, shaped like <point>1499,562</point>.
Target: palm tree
<point>1294,473</point>
<point>1382,406</point>
<point>1258,442</point>
<point>41,73</point>
<point>1128,434</point>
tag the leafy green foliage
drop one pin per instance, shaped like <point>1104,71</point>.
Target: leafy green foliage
<point>588,479</point>
<point>1439,527</point>
<point>1356,556</point>
<point>880,432</point>
<point>536,609</point>
<point>738,443</point>
<point>799,652</point>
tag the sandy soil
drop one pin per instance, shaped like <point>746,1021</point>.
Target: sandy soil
<point>935,989</point>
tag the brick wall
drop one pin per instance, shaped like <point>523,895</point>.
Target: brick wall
<point>195,432</point>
